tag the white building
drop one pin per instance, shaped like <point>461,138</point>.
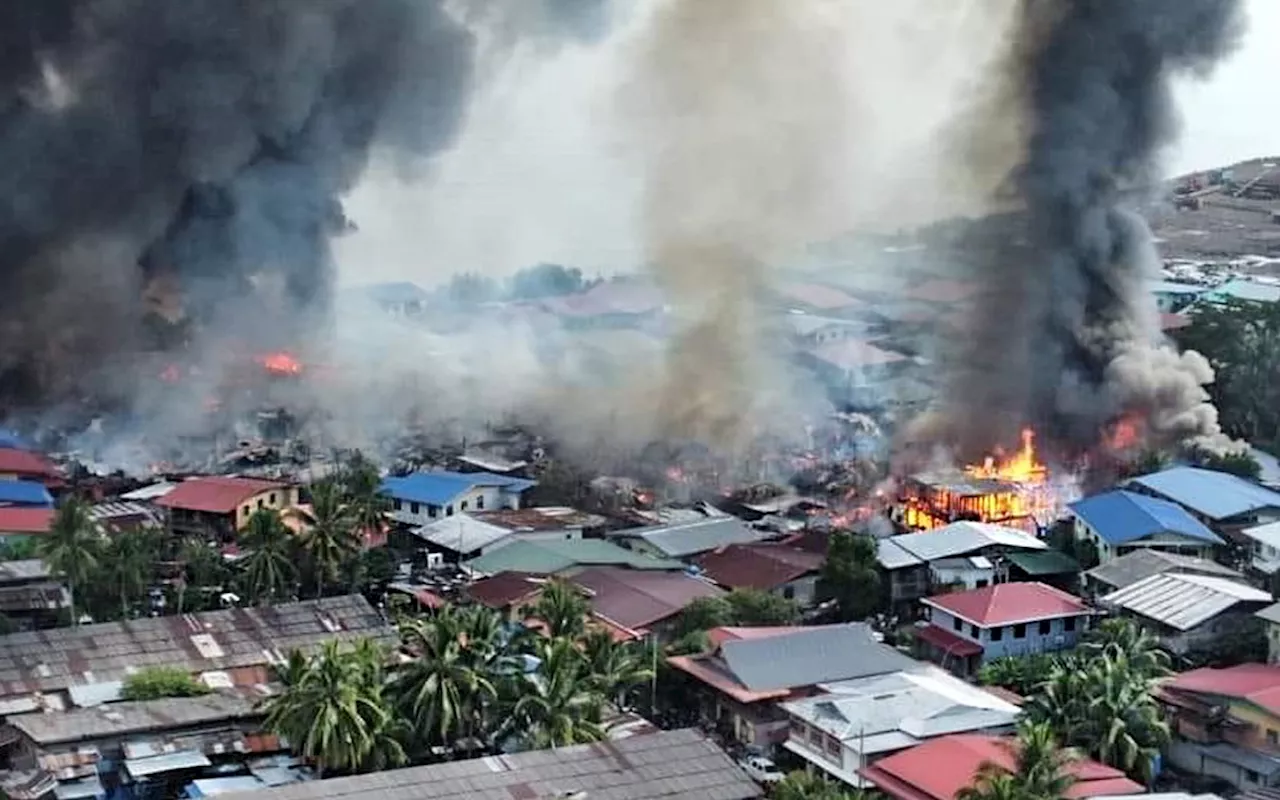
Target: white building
<point>422,497</point>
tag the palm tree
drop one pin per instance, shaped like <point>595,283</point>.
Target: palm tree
<point>202,565</point>
<point>558,705</point>
<point>562,607</point>
<point>362,488</point>
<point>128,563</point>
<point>1040,769</point>
<point>1123,637</point>
<point>615,667</point>
<point>334,711</point>
<point>329,538</point>
<point>71,548</point>
<point>802,785</point>
<point>447,688</point>
<point>269,569</point>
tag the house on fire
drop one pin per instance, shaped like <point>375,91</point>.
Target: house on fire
<point>1119,522</point>
<point>967,629</point>
<point>422,497</point>
<point>220,505</point>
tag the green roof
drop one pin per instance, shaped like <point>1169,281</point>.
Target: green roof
<point>554,556</point>
<point>1043,562</point>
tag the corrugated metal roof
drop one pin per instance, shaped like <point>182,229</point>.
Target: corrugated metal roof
<point>16,461</point>
<point>1143,563</point>
<point>1215,495</point>
<point>811,656</point>
<point>699,536</point>
<point>1244,289</point>
<point>122,719</point>
<point>153,492</point>
<point>892,555</point>
<point>166,762</point>
<point>1183,601</point>
<point>461,533</point>
<point>961,538</point>
<point>636,599</point>
<point>217,494</point>
<point>672,765</point>
<point>441,488</point>
<point>1120,517</point>
<point>24,493</point>
<point>551,557</point>
<point>23,569</point>
<point>1044,562</point>
<point>21,520</point>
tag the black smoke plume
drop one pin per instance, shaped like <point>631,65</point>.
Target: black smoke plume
<point>193,153</point>
<point>1057,342</point>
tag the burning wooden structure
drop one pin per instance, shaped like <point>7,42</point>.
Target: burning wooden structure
<point>1012,491</point>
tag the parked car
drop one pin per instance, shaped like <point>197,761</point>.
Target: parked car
<point>761,769</point>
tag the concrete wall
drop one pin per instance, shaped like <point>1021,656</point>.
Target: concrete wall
<point>1168,542</point>
<point>478,498</point>
<point>278,499</point>
<point>1054,635</point>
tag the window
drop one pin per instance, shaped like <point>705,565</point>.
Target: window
<point>480,502</point>
<point>448,511</point>
<point>1045,627</point>
<point>789,592</point>
<point>1069,624</point>
<point>260,503</point>
<point>414,508</point>
<point>973,631</point>
<point>1020,631</point>
<point>1250,776</point>
<point>433,511</point>
<point>997,634</point>
<point>397,505</point>
<point>1273,737</point>
<point>245,510</point>
<point>833,746</point>
<point>797,728</point>
<point>464,505</point>
<point>980,583</point>
<point>957,624</point>
<point>271,498</point>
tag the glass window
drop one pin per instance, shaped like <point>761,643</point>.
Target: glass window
<point>1069,624</point>
<point>833,746</point>
<point>398,505</point>
<point>1020,631</point>
<point>1045,627</point>
<point>413,508</point>
<point>973,631</point>
<point>480,502</point>
<point>464,505</point>
<point>997,634</point>
<point>789,592</point>
<point>957,624</point>
<point>448,511</point>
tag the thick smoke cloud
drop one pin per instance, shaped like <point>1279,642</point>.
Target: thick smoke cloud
<point>195,153</point>
<point>1065,340</point>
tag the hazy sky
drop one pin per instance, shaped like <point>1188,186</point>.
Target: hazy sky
<point>1234,114</point>
<point>543,172</point>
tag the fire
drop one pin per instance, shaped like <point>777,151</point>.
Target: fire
<point>280,363</point>
<point>1124,435</point>
<point>1021,467</point>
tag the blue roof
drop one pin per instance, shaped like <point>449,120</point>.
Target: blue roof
<point>442,488</point>
<point>1216,495</point>
<point>13,441</point>
<point>24,493</point>
<point>1120,517</point>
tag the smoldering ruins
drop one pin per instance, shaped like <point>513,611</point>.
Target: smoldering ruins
<point>179,173</point>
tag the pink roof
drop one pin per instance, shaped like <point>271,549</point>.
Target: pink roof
<point>948,642</point>
<point>215,494</point>
<point>758,566</point>
<point>610,297</point>
<point>25,462</point>
<point>1256,683</point>
<point>817,295</point>
<point>636,599</point>
<point>939,768</point>
<point>718,636</point>
<point>1009,603</point>
<point>851,354</point>
<point>25,520</point>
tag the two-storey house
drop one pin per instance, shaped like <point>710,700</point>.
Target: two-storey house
<point>219,505</point>
<point>966,629</point>
<point>423,497</point>
<point>1120,522</point>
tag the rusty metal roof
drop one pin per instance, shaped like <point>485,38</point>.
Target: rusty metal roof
<point>120,719</point>
<point>53,660</point>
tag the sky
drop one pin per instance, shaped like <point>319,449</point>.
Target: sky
<point>543,170</point>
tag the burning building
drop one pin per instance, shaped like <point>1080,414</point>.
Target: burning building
<point>1013,490</point>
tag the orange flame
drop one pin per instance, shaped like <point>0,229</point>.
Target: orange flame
<point>280,364</point>
<point>1021,467</point>
<point>1124,435</point>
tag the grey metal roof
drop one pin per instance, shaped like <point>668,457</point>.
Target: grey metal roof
<point>166,762</point>
<point>962,538</point>
<point>118,719</point>
<point>892,555</point>
<point>691,538</point>
<point>667,764</point>
<point>1183,601</point>
<point>24,569</point>
<point>1271,613</point>
<point>56,659</point>
<point>461,533</point>
<point>1141,564</point>
<point>811,656</point>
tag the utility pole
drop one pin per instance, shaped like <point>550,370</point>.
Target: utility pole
<point>653,678</point>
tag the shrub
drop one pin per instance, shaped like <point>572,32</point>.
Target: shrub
<point>154,683</point>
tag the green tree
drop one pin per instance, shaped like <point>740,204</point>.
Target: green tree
<point>269,571</point>
<point>447,689</point>
<point>813,786</point>
<point>202,566</point>
<point>851,576</point>
<point>1040,769</point>
<point>703,614</point>
<point>334,711</point>
<point>127,563</point>
<point>545,280</point>
<point>153,683</point>
<point>557,706</point>
<point>616,668</point>
<point>1233,462</point>
<point>329,538</point>
<point>757,607</point>
<point>71,548</point>
<point>1119,637</point>
<point>1018,674</point>
<point>562,607</point>
<point>362,488</point>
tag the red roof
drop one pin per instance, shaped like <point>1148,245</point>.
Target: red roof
<point>215,494</point>
<point>939,768</point>
<point>636,599</point>
<point>1172,322</point>
<point>24,462</point>
<point>758,566</point>
<point>1257,683</point>
<point>948,642</point>
<point>1009,603</point>
<point>504,589</point>
<point>25,520</point>
<point>820,296</point>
